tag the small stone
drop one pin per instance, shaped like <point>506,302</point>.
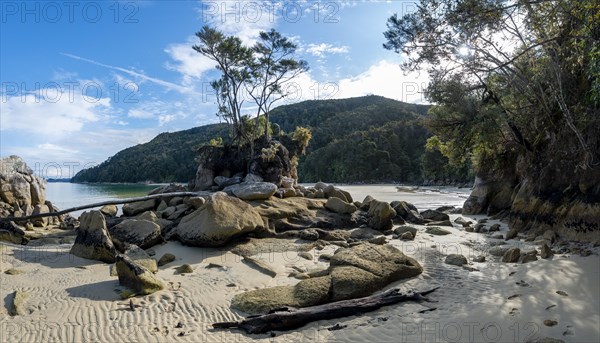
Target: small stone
<point>13,271</point>
<point>165,259</point>
<point>549,322</point>
<point>438,231</point>
<point>407,236</point>
<point>380,240</point>
<point>529,256</point>
<point>494,228</point>
<point>309,234</point>
<point>479,259</point>
<point>563,293</point>
<point>109,210</point>
<point>546,251</point>
<point>184,269</point>
<point>306,255</point>
<point>16,301</point>
<point>512,233</point>
<point>469,229</point>
<point>299,276</point>
<point>479,228</point>
<point>260,265</point>
<point>512,255</point>
<point>498,251</point>
<point>456,260</point>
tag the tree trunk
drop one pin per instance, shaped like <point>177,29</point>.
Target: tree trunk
<point>99,204</point>
<point>290,318</point>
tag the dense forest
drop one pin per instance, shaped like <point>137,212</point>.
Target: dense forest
<point>364,139</point>
<point>516,86</point>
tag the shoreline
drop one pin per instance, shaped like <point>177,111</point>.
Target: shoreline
<point>73,299</point>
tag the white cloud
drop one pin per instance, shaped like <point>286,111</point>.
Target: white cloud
<point>49,112</point>
<point>319,50</point>
<point>244,19</point>
<point>189,63</point>
<point>386,79</point>
<point>139,114</point>
<point>163,112</point>
<point>138,75</point>
<point>383,78</point>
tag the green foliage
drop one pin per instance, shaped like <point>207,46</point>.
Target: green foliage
<point>216,141</point>
<point>169,157</point>
<point>537,94</point>
<point>366,139</point>
<point>260,71</point>
<point>302,135</point>
<point>268,154</point>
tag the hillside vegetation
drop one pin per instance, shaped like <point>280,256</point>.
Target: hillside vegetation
<point>364,139</point>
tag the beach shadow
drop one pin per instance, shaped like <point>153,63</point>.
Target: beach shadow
<point>99,291</point>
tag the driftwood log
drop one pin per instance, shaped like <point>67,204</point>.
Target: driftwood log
<point>292,318</point>
<point>103,203</point>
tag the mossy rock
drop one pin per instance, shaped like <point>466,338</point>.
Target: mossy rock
<point>136,277</point>
<point>307,292</point>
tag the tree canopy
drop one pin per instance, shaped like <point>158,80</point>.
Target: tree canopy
<point>258,73</point>
<point>507,75</point>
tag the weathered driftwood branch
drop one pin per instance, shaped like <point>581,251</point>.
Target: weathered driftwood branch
<point>292,318</point>
<point>99,204</point>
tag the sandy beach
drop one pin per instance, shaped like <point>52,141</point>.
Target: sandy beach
<point>70,299</point>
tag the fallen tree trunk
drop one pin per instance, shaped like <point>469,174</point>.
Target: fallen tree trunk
<point>103,203</point>
<point>292,318</point>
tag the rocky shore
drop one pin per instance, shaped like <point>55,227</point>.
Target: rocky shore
<point>172,266</point>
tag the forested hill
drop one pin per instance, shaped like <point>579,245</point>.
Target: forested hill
<point>368,139</point>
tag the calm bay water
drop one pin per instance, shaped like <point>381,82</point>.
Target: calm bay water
<point>65,195</point>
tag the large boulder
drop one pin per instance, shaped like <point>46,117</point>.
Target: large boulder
<point>136,277</point>
<point>19,187</point>
<point>307,292</point>
<point>381,215</point>
<point>253,191</point>
<point>141,258</point>
<point>301,214</point>
<point>41,209</point>
<point>354,272</point>
<point>434,215</point>
<point>109,210</point>
<point>10,232</point>
<point>141,232</point>
<point>218,221</point>
<point>93,240</point>
<point>135,208</point>
<point>338,205</point>
<point>373,266</point>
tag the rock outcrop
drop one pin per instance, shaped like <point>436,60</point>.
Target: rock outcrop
<point>218,221</point>
<point>354,272</point>
<point>93,241</point>
<point>136,277</point>
<point>140,232</point>
<point>253,190</point>
<point>539,192</point>
<point>22,193</point>
<point>381,215</point>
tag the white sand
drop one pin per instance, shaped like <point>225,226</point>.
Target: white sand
<point>68,304</point>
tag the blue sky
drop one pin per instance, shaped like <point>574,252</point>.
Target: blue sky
<point>84,80</point>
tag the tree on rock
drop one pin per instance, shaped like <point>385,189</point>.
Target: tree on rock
<point>260,73</point>
<point>517,85</point>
